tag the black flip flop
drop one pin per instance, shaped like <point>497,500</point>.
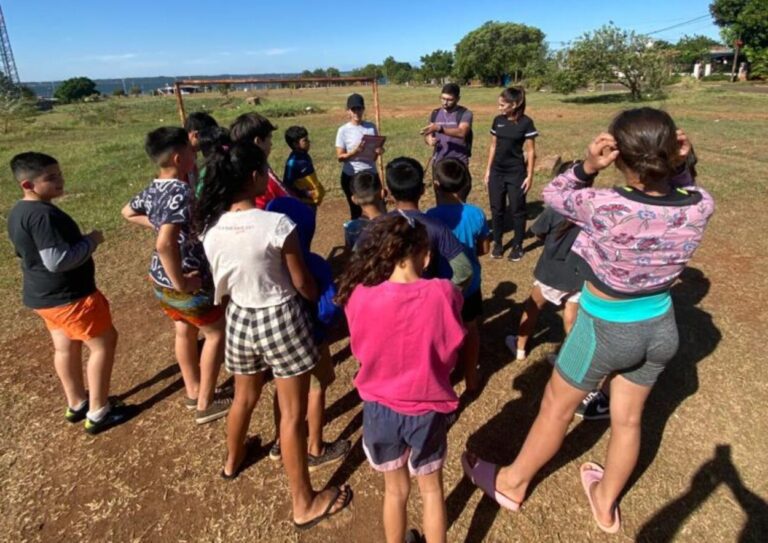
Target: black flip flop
<point>327,513</point>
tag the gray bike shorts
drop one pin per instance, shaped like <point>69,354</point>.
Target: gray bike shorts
<point>638,351</point>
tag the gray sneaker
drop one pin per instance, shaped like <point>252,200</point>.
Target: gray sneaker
<point>218,408</point>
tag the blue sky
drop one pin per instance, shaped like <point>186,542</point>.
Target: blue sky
<point>57,39</point>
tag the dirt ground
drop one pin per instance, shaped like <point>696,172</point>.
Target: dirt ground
<point>702,475</point>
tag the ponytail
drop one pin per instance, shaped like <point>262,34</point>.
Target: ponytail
<point>228,170</point>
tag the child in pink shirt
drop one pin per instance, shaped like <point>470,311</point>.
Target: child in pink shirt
<point>406,332</point>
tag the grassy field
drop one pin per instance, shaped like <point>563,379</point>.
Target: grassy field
<point>703,470</point>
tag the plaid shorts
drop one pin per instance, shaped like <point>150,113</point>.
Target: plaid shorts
<point>277,338</point>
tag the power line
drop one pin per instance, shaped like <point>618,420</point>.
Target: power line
<point>677,25</point>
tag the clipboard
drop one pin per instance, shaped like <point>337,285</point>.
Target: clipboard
<point>370,144</point>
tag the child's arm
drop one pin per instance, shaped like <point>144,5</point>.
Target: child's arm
<point>483,246</point>
<point>64,256</point>
<point>131,215</point>
<point>167,247</point>
<point>302,281</point>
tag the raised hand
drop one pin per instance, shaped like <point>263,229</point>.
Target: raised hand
<point>601,153</point>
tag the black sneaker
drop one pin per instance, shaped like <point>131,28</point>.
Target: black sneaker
<point>413,536</point>
<point>118,414</point>
<point>497,251</point>
<point>76,415</point>
<point>595,406</point>
<point>516,253</point>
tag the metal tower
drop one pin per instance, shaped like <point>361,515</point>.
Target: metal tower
<point>9,65</point>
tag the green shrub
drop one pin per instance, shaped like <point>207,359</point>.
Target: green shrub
<point>717,77</point>
<point>287,109</point>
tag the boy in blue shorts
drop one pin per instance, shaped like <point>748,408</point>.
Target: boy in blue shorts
<point>59,285</point>
<point>180,275</point>
<point>468,224</point>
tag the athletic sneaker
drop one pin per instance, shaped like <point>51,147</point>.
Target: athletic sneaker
<point>511,342</point>
<point>334,452</point>
<point>218,408</point>
<point>595,406</point>
<point>413,536</point>
<point>497,251</point>
<point>516,253</point>
<point>274,452</point>
<point>221,392</point>
<point>76,415</point>
<point>118,414</point>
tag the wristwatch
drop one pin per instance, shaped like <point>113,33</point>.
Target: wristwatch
<point>441,129</point>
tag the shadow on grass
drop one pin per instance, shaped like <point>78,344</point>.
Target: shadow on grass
<point>698,338</point>
<point>607,98</point>
<point>666,523</point>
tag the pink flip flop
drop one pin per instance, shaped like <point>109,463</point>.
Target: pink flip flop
<point>591,474</point>
<point>483,474</point>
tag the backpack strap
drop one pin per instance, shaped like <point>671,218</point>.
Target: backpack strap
<point>433,115</point>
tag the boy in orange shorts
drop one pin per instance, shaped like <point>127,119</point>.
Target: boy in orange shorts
<point>179,271</point>
<point>59,285</point>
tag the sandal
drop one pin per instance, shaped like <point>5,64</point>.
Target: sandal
<point>328,513</point>
<point>332,453</point>
<point>483,474</point>
<point>591,474</point>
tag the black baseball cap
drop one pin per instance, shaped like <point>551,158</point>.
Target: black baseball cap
<point>355,100</point>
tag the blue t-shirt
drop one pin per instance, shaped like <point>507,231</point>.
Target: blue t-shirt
<point>468,224</point>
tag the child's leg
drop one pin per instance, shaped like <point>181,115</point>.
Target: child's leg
<point>397,487</point>
<point>569,316</point>
<point>292,393</point>
<point>211,358</point>
<point>470,353</point>
<point>247,392</point>
<point>187,356</point>
<point>627,401</point>
<point>316,405</point>
<point>544,439</point>
<point>68,363</point>
<point>531,310</point>
<point>435,516</point>
<point>99,371</point>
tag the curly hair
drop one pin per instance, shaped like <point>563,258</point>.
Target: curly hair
<point>387,241</point>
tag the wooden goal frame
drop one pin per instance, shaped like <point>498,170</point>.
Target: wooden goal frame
<point>282,81</point>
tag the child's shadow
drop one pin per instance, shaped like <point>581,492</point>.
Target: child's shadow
<point>666,523</point>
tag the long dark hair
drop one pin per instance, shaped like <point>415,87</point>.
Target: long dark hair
<point>515,95</point>
<point>387,241</point>
<point>647,142</point>
<point>228,169</point>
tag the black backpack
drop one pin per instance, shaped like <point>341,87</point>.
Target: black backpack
<point>460,110</point>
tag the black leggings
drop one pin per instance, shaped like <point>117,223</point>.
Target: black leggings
<point>503,187</point>
<point>355,211</point>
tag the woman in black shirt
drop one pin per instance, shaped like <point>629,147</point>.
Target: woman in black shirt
<point>509,174</point>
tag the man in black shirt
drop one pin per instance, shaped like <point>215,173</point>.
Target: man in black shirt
<point>59,284</point>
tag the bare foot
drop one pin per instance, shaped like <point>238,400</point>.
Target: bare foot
<point>322,501</point>
<point>604,513</point>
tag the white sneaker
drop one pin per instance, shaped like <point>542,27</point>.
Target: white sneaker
<point>511,342</point>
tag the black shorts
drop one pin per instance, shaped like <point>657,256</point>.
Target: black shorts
<point>473,306</point>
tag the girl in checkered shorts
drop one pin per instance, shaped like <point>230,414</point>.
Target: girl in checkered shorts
<point>257,266</point>
<point>406,332</point>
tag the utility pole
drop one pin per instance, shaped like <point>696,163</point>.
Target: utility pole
<point>9,65</point>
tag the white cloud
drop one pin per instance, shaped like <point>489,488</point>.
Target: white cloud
<point>273,52</point>
<point>109,58</point>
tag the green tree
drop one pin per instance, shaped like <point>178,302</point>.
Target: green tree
<point>118,92</point>
<point>319,72</point>
<point>27,93</point>
<point>437,65</point>
<point>693,49</point>
<point>745,20</point>
<point>75,89</point>
<point>612,54</point>
<point>397,72</point>
<point>15,107</point>
<point>369,70</point>
<point>306,74</point>
<point>333,72</point>
<point>135,90</point>
<point>496,50</point>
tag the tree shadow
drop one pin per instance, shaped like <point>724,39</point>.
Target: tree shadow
<point>607,98</point>
<point>666,523</point>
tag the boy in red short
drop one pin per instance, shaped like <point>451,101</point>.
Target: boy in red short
<point>59,285</point>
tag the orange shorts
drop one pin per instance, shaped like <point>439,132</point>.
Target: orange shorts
<point>80,320</point>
